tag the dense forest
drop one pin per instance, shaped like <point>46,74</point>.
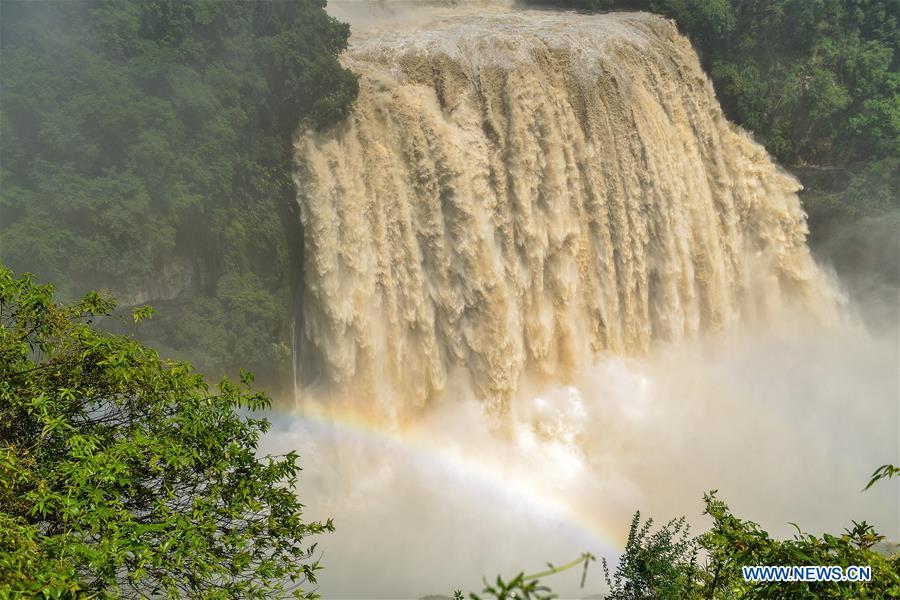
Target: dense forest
<point>146,150</point>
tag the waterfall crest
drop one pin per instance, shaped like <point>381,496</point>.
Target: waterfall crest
<point>518,191</point>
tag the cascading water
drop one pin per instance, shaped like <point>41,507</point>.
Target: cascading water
<point>546,214</point>
<point>518,191</point>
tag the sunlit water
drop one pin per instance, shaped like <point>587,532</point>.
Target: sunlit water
<point>516,192</point>
<point>787,423</point>
<point>546,284</point>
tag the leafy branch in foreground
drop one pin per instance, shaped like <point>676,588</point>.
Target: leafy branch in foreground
<point>664,564</point>
<point>124,475</point>
<point>732,543</point>
<point>528,587</point>
<point>883,472</point>
<point>657,565</point>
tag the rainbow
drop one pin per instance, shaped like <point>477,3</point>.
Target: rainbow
<point>601,538</point>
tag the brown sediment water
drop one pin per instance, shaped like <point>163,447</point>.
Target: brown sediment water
<point>517,191</point>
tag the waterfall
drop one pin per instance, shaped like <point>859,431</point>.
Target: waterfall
<point>518,191</point>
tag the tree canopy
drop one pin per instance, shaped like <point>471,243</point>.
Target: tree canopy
<point>124,474</point>
<point>145,148</point>
<point>816,80</point>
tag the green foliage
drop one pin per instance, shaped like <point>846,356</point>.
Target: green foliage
<point>145,147</point>
<point>732,543</point>
<point>817,80</point>
<point>657,565</point>
<point>663,565</point>
<point>123,474</point>
<point>869,191</point>
<point>853,220</point>
<point>517,588</point>
<point>883,472</point>
<point>527,587</point>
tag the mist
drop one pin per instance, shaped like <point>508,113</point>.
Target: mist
<point>864,254</point>
<point>785,406</point>
<point>786,422</point>
<point>511,270</point>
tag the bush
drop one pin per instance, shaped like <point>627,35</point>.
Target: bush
<point>123,474</point>
<point>664,565</point>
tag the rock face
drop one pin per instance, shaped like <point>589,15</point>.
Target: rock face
<point>176,277</point>
<point>517,191</point>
